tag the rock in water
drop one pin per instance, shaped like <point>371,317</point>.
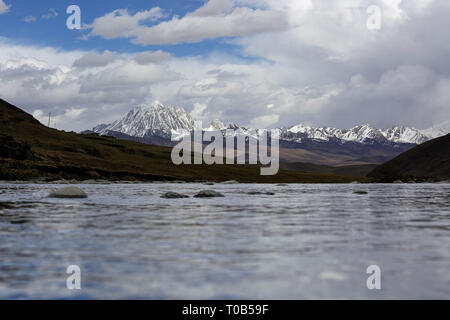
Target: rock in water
<point>231,182</point>
<point>69,192</point>
<point>174,195</point>
<point>208,194</point>
<point>256,193</point>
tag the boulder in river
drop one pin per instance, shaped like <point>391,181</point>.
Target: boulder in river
<point>68,192</point>
<point>256,193</point>
<point>231,182</point>
<point>208,194</point>
<point>174,195</point>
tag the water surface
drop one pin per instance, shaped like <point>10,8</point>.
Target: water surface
<point>304,242</point>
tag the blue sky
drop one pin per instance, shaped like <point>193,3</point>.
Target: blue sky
<point>53,31</point>
<point>258,63</point>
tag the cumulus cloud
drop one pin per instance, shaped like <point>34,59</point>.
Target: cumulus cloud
<point>328,46</point>
<point>60,120</point>
<point>265,121</point>
<point>199,111</point>
<point>78,98</point>
<point>95,60</point>
<point>409,94</point>
<point>4,7</point>
<point>127,76</point>
<point>217,18</point>
<point>148,57</point>
<point>120,24</point>
<point>324,67</point>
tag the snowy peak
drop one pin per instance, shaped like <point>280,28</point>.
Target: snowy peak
<point>166,121</point>
<point>361,134</point>
<point>151,120</point>
<point>401,134</point>
<point>438,130</point>
<point>216,125</point>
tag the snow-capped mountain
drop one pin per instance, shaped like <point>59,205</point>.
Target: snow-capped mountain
<point>151,120</point>
<point>361,134</point>
<point>401,134</point>
<point>216,125</point>
<point>157,120</point>
<point>437,131</point>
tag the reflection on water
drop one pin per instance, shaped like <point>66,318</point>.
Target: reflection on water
<point>306,241</point>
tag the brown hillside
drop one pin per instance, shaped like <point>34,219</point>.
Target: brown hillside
<point>430,160</point>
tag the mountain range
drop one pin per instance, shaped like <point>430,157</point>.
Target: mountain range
<point>157,120</point>
<point>34,152</point>
<point>157,124</point>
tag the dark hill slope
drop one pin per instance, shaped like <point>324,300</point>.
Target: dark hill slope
<point>29,150</point>
<point>430,160</point>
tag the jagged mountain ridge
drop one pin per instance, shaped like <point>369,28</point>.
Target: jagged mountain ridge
<point>151,120</point>
<point>364,134</point>
<point>157,120</point>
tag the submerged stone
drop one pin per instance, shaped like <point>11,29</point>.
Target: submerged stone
<point>174,195</point>
<point>208,194</point>
<point>256,193</point>
<point>69,192</point>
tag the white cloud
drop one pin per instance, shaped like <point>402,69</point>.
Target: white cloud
<point>74,113</point>
<point>4,7</point>
<point>198,113</point>
<point>326,68</point>
<point>267,121</point>
<point>120,24</point>
<point>29,19</point>
<point>78,97</point>
<point>217,18</point>
<point>127,76</point>
<point>95,60</point>
<point>58,121</point>
<point>148,57</point>
<point>213,8</point>
<point>50,15</point>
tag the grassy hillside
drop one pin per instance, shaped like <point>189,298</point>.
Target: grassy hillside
<point>31,150</point>
<point>429,161</point>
